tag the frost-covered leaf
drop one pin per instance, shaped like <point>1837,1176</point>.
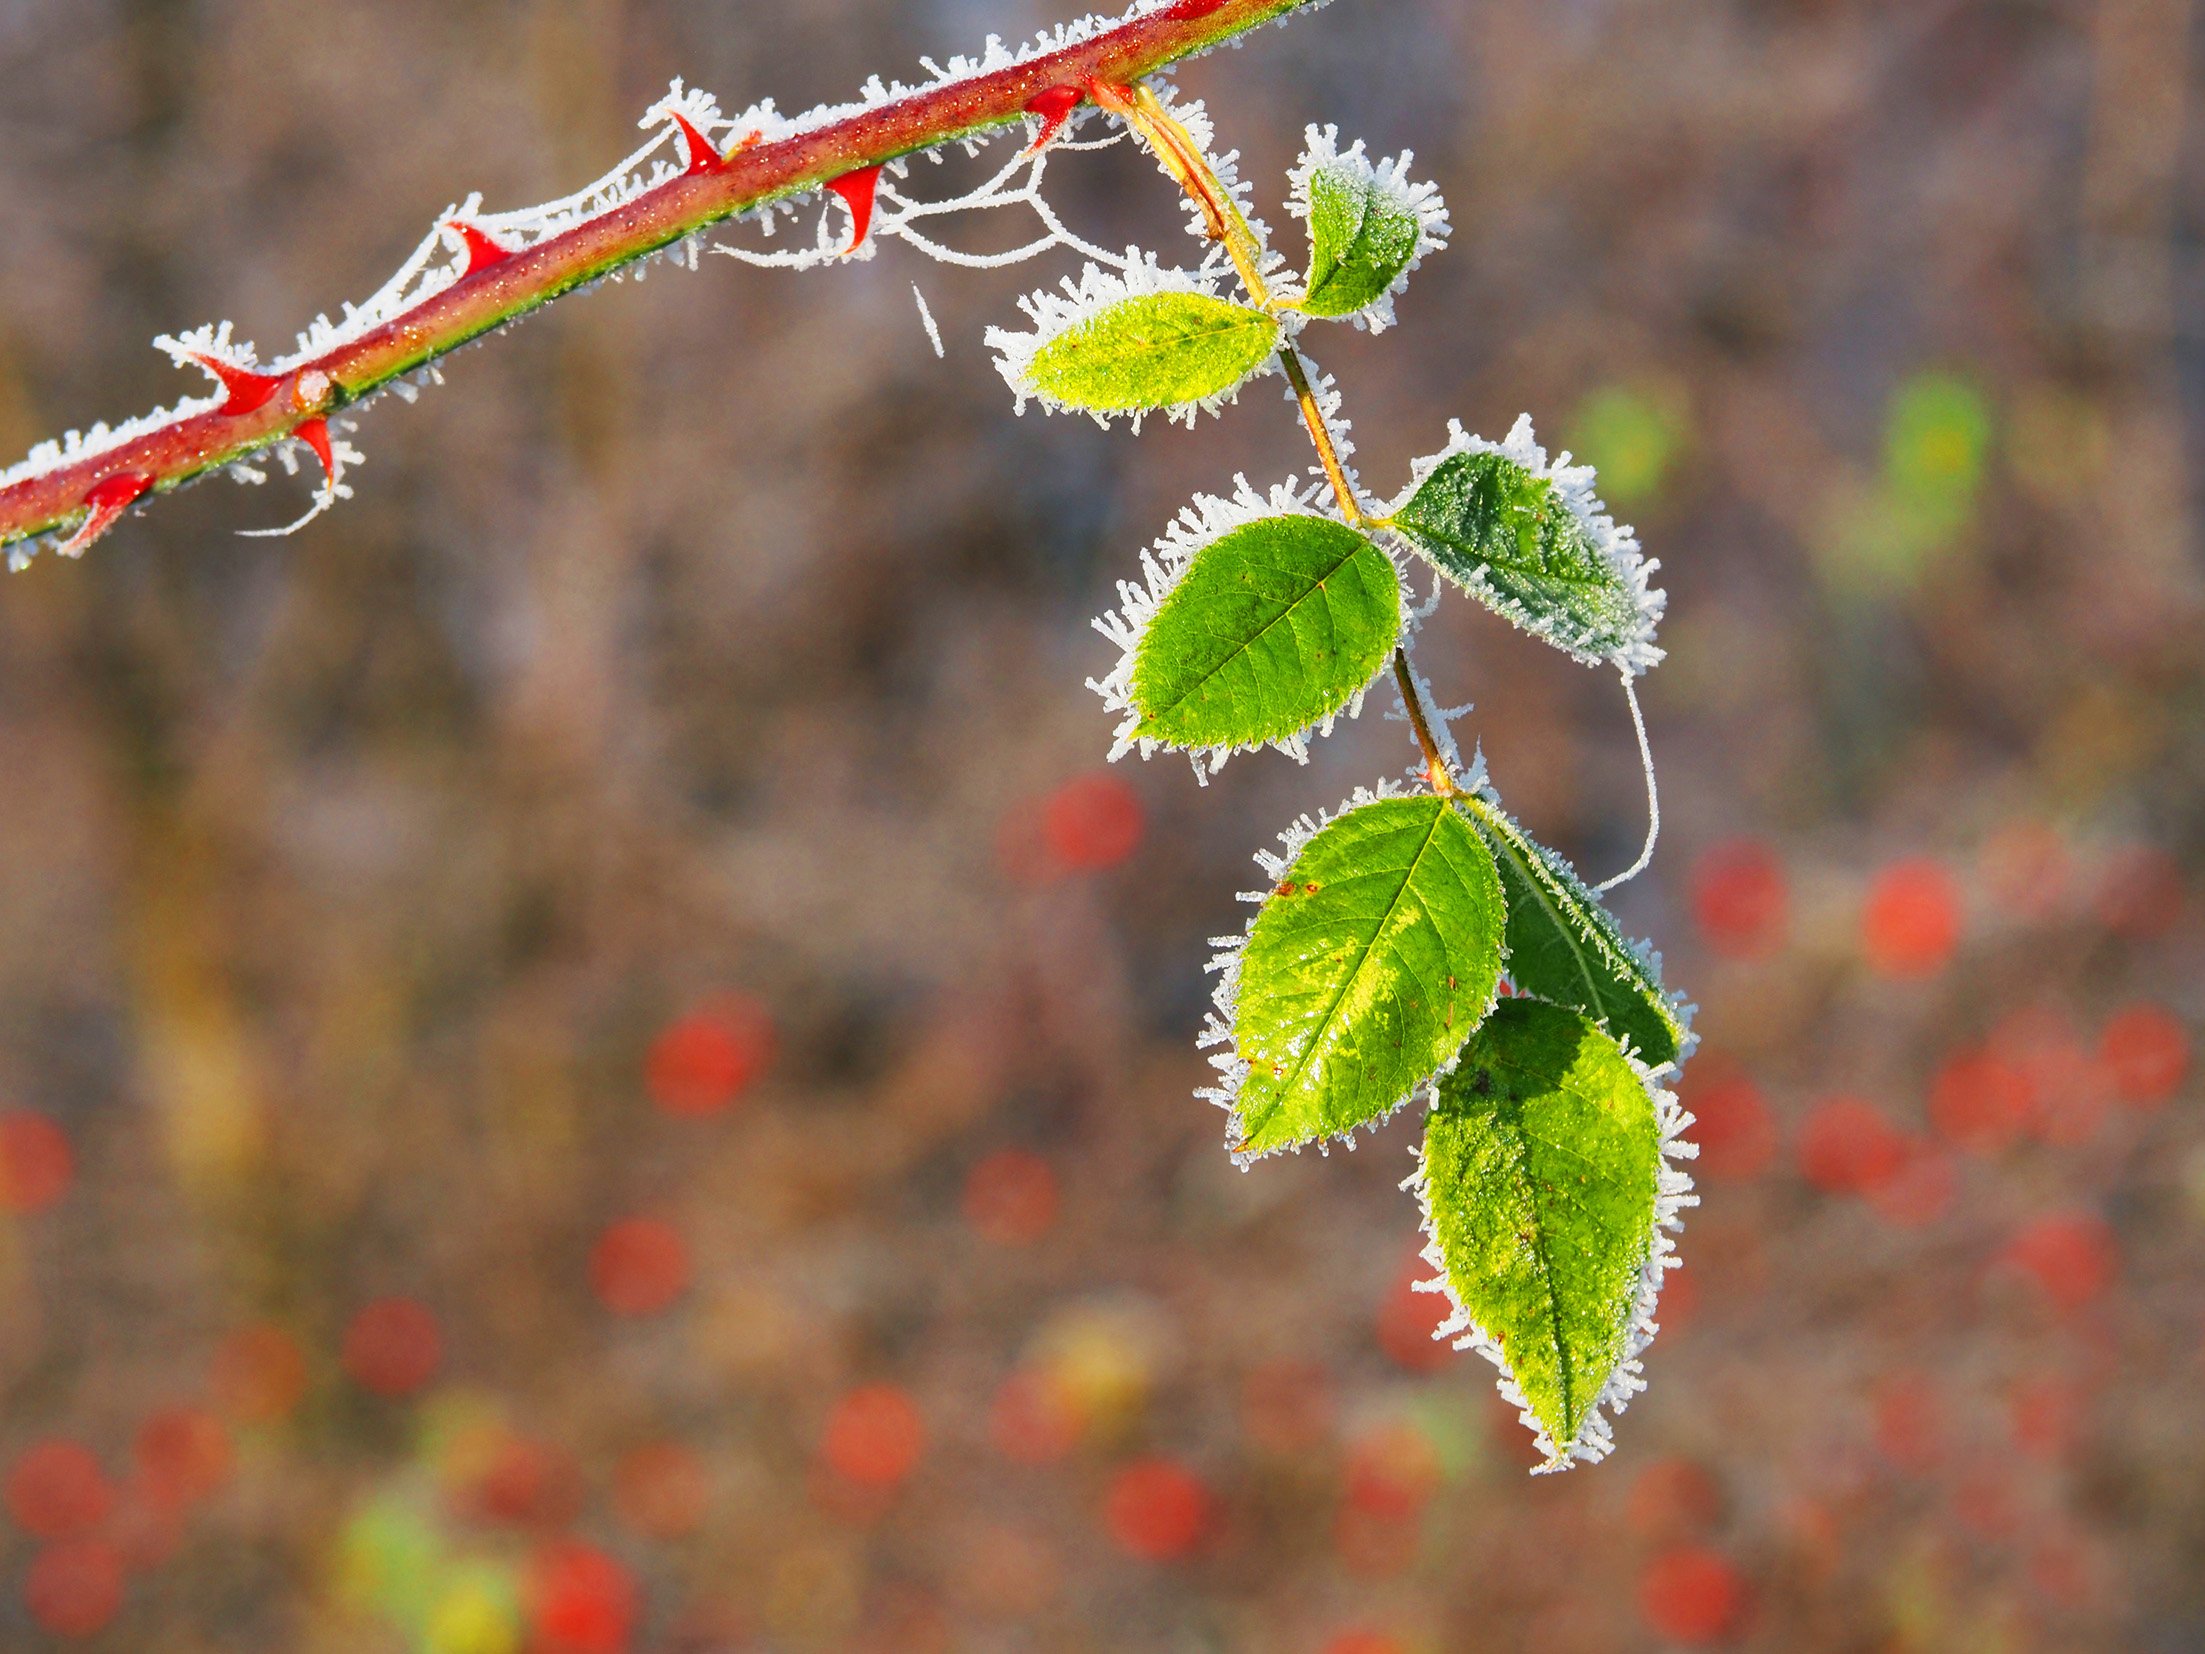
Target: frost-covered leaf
<point>1564,945</point>
<point>1530,541</point>
<point>1274,626</point>
<point>1369,226</point>
<point>1136,343</point>
<point>1369,963</point>
<point>1543,1182</point>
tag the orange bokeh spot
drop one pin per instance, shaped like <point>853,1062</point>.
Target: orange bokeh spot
<point>1011,1197</point>
<point>2025,869</point>
<point>1287,1406</point>
<point>1731,1122</point>
<point>258,1374</point>
<point>707,1058</point>
<point>1091,822</point>
<point>2071,1256</point>
<point>2147,1051</point>
<point>1921,1189</point>
<point>393,1347</point>
<point>182,1456</point>
<point>580,1601</point>
<point>2068,1087</point>
<point>662,1491</point>
<point>1910,1422</point>
<point>1690,1594</point>
<point>1407,1320</point>
<point>1740,899</point>
<point>56,1490</point>
<point>527,1483</point>
<point>1980,1102</point>
<point>1848,1147</point>
<point>874,1436</point>
<point>1392,1472</point>
<point>1156,1509</point>
<point>36,1163</point>
<point>1672,1500</point>
<point>1363,1642</point>
<point>1911,923</point>
<point>638,1266</point>
<point>2046,1412</point>
<point>1033,1421</point>
<point>74,1589</point>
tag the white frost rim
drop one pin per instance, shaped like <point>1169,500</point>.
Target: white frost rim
<point>1389,179</point>
<point>1573,485</point>
<point>1054,314</point>
<point>1673,1192</point>
<point>1198,526</point>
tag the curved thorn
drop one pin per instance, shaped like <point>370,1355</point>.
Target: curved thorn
<point>856,189</point>
<point>703,157</point>
<point>1054,104</point>
<point>108,498</point>
<point>244,389</point>
<point>483,250</point>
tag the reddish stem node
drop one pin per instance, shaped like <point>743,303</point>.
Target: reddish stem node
<point>109,498</point>
<point>482,250</point>
<point>246,389</point>
<point>856,189</point>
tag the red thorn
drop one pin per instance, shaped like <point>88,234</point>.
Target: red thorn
<point>247,389</point>
<point>482,250</point>
<point>1054,104</point>
<point>856,189</point>
<point>109,498</point>
<point>703,158</point>
<point>1186,11</point>
<point>315,434</point>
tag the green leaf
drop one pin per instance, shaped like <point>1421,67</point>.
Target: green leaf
<point>1511,539</point>
<point>1154,350</point>
<point>1274,626</point>
<point>1564,945</point>
<point>1362,236</point>
<point>1542,1173</point>
<point>1369,963</point>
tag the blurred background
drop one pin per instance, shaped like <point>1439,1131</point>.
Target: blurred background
<point>591,1059</point>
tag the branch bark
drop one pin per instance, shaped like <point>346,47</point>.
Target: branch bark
<point>85,487</point>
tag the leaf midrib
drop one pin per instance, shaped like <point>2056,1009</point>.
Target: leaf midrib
<point>1316,587</point>
<point>1301,1065</point>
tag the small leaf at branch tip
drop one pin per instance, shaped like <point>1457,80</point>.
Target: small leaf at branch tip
<point>482,250</point>
<point>857,190</point>
<point>108,499</point>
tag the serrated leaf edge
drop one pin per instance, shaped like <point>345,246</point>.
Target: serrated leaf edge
<point>1217,1024</point>
<point>1573,485</point>
<point>1595,1438</point>
<point>1388,177</point>
<point>1486,806</point>
<point>1053,314</point>
<point>1200,524</point>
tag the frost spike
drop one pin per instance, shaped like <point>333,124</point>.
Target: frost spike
<point>856,189</point>
<point>1054,104</point>
<point>245,390</point>
<point>109,498</point>
<point>483,250</point>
